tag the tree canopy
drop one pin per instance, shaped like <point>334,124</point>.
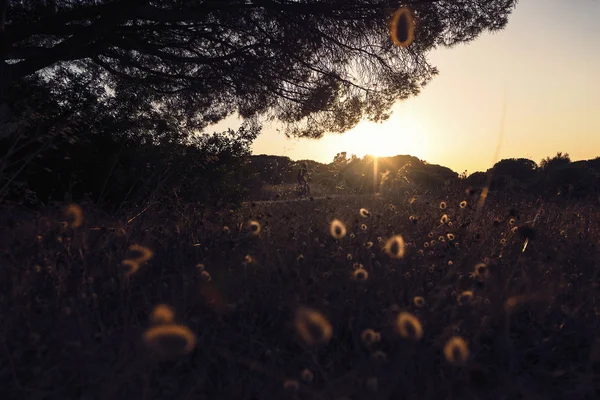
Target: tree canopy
<point>316,66</point>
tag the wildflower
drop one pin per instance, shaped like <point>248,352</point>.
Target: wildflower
<point>444,219</point>
<point>352,236</point>
<point>451,236</point>
<point>465,297</point>
<point>200,267</point>
<point>426,244</point>
<point>456,350</point>
<point>514,229</point>
<point>413,199</point>
<point>481,271</point>
<point>75,211</point>
<point>248,259</point>
<point>450,263</point>
<point>420,252</point>
<point>135,263</point>
<point>225,229</point>
<point>364,212</point>
<point>162,314</point>
<point>463,204</point>
<point>408,326</point>
<point>205,276</point>
<point>503,242</point>
<point>337,229</point>
<point>512,221</point>
<point>291,385</point>
<point>379,356</point>
<point>312,327</point>
<point>357,266</point>
<point>170,340</point>
<point>370,337</point>
<point>307,375</point>
<point>403,27</point>
<point>379,239</point>
<point>394,247</point>
<point>419,301</point>
<point>255,227</point>
<point>360,274</point>
<point>300,258</point>
<point>443,205</point>
<point>363,227</point>
<point>368,245</point>
<point>441,239</point>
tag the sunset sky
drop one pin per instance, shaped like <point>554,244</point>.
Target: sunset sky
<point>545,64</point>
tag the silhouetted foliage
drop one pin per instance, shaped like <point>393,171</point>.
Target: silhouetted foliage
<point>52,151</point>
<point>316,66</point>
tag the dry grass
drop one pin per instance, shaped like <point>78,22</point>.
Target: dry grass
<point>74,319</point>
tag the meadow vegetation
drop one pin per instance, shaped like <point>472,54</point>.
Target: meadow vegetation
<point>269,300</point>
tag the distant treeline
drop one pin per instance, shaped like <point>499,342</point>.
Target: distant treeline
<point>554,176</point>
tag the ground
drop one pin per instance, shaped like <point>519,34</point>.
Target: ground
<point>276,308</point>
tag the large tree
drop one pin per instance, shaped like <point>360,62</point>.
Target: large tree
<point>315,65</point>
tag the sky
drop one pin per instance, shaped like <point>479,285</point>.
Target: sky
<point>542,72</point>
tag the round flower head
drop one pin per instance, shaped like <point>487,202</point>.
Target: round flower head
<point>444,219</point>
<point>312,327</point>
<point>134,263</point>
<point>360,274</point>
<point>408,326</point>
<point>291,385</point>
<point>370,337</point>
<point>170,340</point>
<point>443,205</point>
<point>379,356</point>
<point>419,301</point>
<point>255,227</point>
<point>481,270</point>
<point>402,29</point>
<point>162,314</point>
<point>205,276</point>
<point>76,213</point>
<point>451,236</point>
<point>364,212</point>
<point>456,350</point>
<point>394,247</point>
<point>337,229</point>
<point>307,375</point>
<point>463,204</point>
<point>465,297</point>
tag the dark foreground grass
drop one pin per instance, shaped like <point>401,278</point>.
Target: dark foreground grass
<point>74,317</point>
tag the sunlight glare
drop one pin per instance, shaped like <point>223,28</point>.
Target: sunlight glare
<point>400,135</point>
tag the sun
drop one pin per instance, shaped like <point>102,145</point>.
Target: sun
<point>399,135</point>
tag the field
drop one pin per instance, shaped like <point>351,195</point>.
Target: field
<point>280,308</point>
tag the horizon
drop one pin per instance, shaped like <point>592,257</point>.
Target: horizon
<point>507,82</point>
<point>426,161</point>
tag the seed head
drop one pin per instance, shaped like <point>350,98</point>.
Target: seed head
<point>409,326</point>
<point>456,350</point>
<point>337,229</point>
